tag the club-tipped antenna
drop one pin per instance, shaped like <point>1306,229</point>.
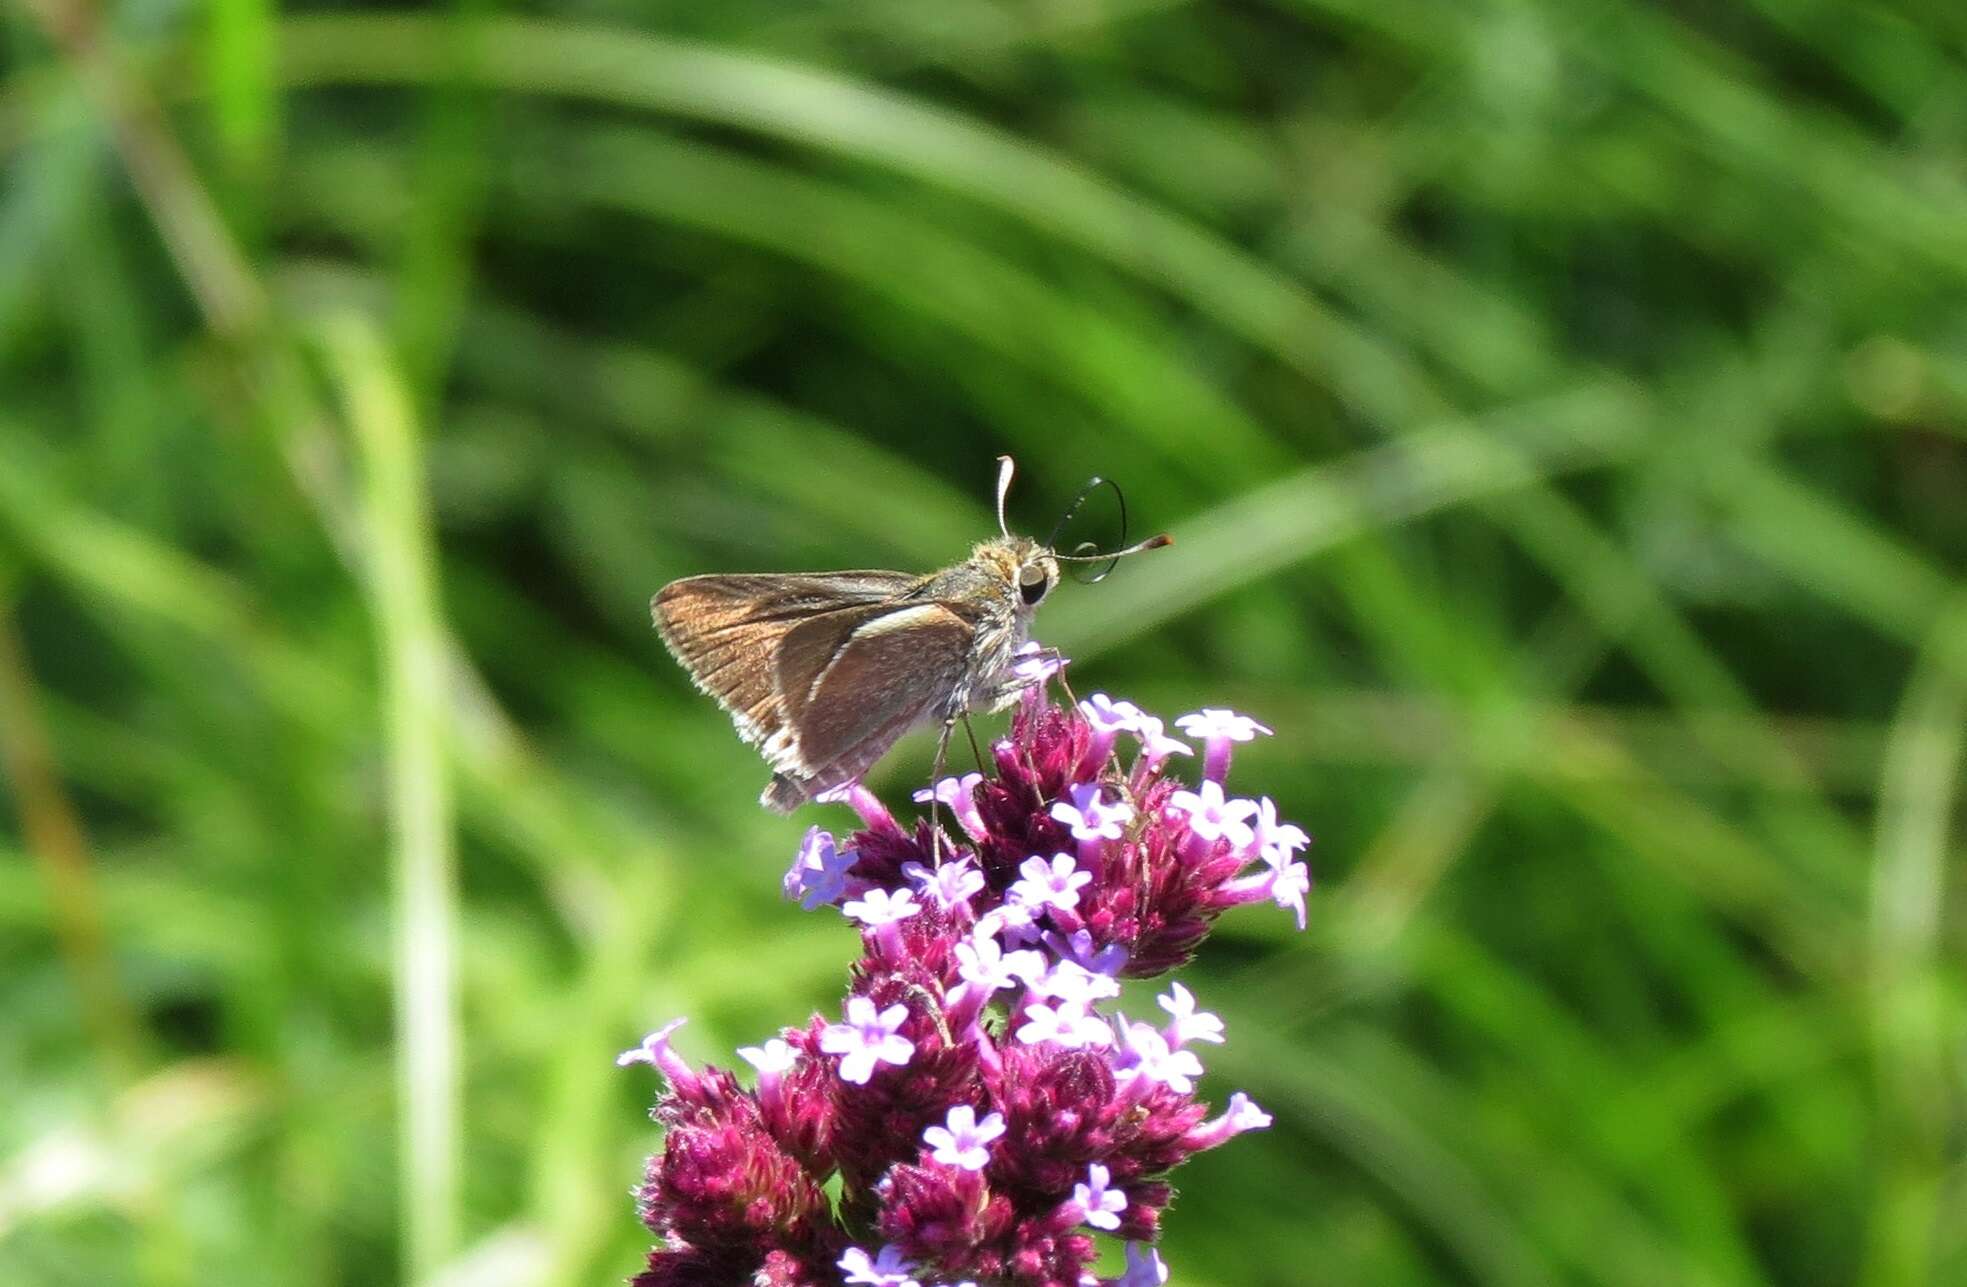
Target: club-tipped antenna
<point>1004,471</point>
<point>1100,556</point>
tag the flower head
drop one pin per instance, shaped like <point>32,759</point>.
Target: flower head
<point>979,1114</point>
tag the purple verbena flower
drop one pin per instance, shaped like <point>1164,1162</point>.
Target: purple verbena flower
<point>1288,888</point>
<point>654,1051</point>
<point>1156,745</point>
<point>980,1112</point>
<point>861,800</point>
<point>773,1057</point>
<point>1036,663</point>
<point>1276,841</point>
<point>1144,1053</point>
<point>1067,1023</point>
<point>1079,948</point>
<point>1071,981</point>
<point>982,961</point>
<point>1108,719</point>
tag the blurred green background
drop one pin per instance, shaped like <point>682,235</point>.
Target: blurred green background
<point>1561,407</point>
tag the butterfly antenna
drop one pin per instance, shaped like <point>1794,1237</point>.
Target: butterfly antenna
<point>1004,471</point>
<point>1087,552</point>
<point>1092,484</point>
<point>1102,556</point>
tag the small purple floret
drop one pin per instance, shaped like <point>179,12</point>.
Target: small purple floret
<point>878,907</point>
<point>1091,818</point>
<point>818,875</point>
<point>887,1269</point>
<point>963,1141</point>
<point>1054,883</point>
<point>867,1038</point>
<point>1218,728</point>
<point>1144,1268</point>
<point>1100,1205</point>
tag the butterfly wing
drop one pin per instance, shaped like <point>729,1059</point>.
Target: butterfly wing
<point>727,632</point>
<point>853,682</point>
<point>823,672</point>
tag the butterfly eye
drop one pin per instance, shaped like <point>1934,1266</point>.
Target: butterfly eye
<point>1033,583</point>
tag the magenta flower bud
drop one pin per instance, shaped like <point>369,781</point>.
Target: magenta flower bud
<point>1107,719</point>
<point>958,795</point>
<point>874,814</point>
<point>655,1052</point>
<point>1241,1115</point>
<point>1144,1268</point>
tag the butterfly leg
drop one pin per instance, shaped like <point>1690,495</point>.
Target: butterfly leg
<point>1068,688</point>
<point>971,733</point>
<point>935,799</point>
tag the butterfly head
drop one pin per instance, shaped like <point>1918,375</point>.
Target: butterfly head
<point>1030,568</point>
<point>1033,566</point>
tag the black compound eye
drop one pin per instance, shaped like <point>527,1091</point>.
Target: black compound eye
<point>1033,583</point>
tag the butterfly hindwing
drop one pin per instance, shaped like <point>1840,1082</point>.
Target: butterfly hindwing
<point>727,632</point>
<point>853,682</point>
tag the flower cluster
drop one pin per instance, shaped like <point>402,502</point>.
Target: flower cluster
<point>983,1106</point>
